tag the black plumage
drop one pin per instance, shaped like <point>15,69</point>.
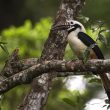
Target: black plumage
<point>87,40</point>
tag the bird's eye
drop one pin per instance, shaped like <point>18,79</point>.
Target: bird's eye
<point>71,22</point>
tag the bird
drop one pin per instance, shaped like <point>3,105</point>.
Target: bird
<point>79,41</point>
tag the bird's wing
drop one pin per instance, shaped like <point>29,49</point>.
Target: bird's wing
<point>87,40</point>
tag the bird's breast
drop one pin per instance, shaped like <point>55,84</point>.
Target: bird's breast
<point>77,46</point>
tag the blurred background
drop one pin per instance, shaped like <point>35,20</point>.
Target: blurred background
<point>25,24</point>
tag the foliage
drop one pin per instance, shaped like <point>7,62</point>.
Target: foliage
<point>65,99</point>
<point>93,9</point>
<point>78,102</point>
<point>29,39</point>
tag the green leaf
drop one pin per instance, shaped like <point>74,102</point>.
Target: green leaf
<point>107,30</point>
<point>98,26</point>
<point>70,102</point>
<point>84,18</point>
<point>103,39</point>
<point>3,42</point>
<point>100,23</point>
<point>78,99</point>
<point>94,28</point>
<point>92,80</point>
<point>86,52</point>
<point>4,48</point>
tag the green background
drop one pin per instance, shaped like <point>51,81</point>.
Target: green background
<point>25,24</point>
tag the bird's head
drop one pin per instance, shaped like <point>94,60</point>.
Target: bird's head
<point>71,26</point>
<point>75,26</point>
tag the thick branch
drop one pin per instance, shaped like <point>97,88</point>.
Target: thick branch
<point>58,66</point>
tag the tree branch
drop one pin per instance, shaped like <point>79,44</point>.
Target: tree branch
<point>61,67</point>
<point>14,65</point>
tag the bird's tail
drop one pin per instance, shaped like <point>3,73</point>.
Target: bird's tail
<point>106,83</point>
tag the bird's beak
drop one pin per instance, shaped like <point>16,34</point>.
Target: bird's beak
<point>60,27</point>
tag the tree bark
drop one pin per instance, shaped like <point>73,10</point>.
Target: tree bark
<point>54,48</point>
<point>61,69</point>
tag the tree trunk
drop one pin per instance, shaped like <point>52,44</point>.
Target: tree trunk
<point>54,48</point>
